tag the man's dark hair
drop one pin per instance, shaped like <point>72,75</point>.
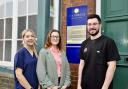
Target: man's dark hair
<point>91,16</point>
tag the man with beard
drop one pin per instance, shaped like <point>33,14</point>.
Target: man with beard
<point>98,56</point>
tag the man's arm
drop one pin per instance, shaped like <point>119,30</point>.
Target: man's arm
<point>109,74</point>
<point>81,65</point>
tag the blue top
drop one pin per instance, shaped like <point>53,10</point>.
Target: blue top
<point>24,60</point>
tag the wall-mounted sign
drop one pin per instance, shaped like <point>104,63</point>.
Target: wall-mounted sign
<point>76,31</point>
<point>76,34</point>
<point>76,24</point>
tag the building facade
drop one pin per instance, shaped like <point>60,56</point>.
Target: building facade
<point>43,15</point>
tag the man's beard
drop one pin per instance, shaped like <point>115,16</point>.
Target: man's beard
<point>94,33</point>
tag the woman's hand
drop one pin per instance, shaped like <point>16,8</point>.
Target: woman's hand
<point>39,86</point>
<point>55,87</point>
<point>64,87</point>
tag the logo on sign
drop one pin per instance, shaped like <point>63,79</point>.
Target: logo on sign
<point>76,10</point>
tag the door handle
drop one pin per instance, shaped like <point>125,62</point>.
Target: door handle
<point>126,60</point>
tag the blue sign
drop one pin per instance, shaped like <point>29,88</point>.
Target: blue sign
<point>72,51</point>
<point>76,15</point>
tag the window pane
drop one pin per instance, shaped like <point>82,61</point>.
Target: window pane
<point>1,50</point>
<point>19,44</point>
<point>32,6</point>
<point>1,28</point>
<point>32,23</point>
<point>9,7</point>
<point>21,25</point>
<point>51,23</point>
<point>51,8</point>
<point>7,50</point>
<point>8,27</point>
<point>1,8</point>
<point>22,8</point>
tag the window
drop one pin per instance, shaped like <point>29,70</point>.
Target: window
<point>32,22</point>
<point>12,22</point>
<point>1,8</point>
<point>54,14</point>
<point>15,16</point>
<point>1,38</point>
<point>21,25</point>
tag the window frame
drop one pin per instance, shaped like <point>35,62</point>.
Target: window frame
<point>14,38</point>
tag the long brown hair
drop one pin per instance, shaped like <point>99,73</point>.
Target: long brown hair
<point>48,40</point>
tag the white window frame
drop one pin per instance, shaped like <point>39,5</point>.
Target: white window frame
<point>98,7</point>
<point>6,63</point>
<point>14,33</point>
<point>56,14</point>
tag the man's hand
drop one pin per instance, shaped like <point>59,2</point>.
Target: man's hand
<point>79,87</point>
<point>104,87</point>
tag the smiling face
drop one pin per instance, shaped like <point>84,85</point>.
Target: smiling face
<point>93,26</point>
<point>29,38</point>
<point>55,38</point>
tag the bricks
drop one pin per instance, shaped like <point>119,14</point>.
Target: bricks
<point>6,82</point>
<point>64,5</point>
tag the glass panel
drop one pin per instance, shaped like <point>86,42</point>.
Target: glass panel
<point>19,44</point>
<point>1,28</point>
<point>1,50</point>
<point>9,7</point>
<point>51,23</point>
<point>32,6</point>
<point>7,50</point>
<point>32,23</point>
<point>22,7</point>
<point>51,8</point>
<point>21,25</point>
<point>8,27</point>
<point>51,14</point>
<point>1,8</point>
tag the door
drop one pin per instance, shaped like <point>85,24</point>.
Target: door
<point>115,25</point>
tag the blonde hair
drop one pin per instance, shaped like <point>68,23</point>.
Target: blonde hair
<point>23,34</point>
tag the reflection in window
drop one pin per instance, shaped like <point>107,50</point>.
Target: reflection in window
<point>32,23</point>
<point>22,5</point>
<point>8,28</point>
<point>9,6</point>
<point>1,50</point>
<point>7,50</point>
<point>21,25</point>
<point>32,6</point>
<point>1,8</point>
<point>51,23</point>
<point>54,14</point>
<point>51,8</point>
<point>1,28</point>
<point>19,44</point>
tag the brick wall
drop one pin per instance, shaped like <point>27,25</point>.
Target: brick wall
<point>6,81</point>
<point>64,5</point>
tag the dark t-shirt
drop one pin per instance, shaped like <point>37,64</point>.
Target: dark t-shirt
<point>96,53</point>
<point>27,62</point>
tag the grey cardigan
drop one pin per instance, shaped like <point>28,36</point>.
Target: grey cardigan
<point>47,71</point>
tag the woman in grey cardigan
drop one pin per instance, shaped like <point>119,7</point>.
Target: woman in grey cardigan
<point>52,67</point>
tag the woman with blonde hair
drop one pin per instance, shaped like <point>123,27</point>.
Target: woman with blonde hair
<point>25,62</point>
<point>52,67</point>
